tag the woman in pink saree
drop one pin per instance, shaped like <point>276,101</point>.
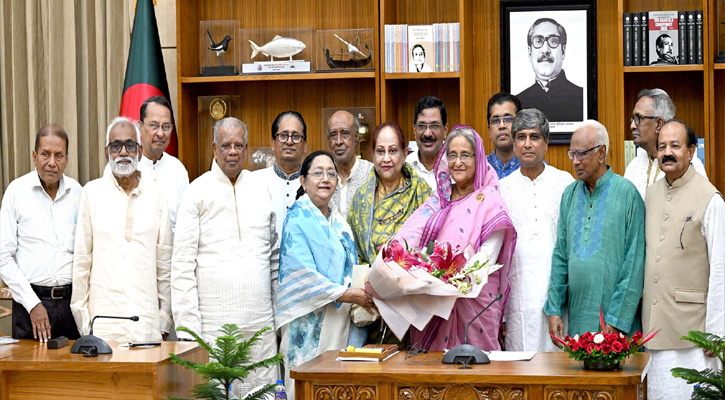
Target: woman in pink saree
<point>465,209</point>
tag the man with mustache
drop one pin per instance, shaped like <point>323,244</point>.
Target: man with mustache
<point>502,108</point>
<point>342,136</point>
<point>663,47</point>
<point>532,194</point>
<point>289,146</point>
<point>225,262</point>
<point>652,109</point>
<point>430,125</point>
<point>598,261</point>
<point>122,262</point>
<point>37,230</point>
<point>552,93</point>
<point>684,281</point>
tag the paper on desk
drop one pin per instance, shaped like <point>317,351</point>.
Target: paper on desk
<point>7,340</point>
<point>368,359</point>
<point>511,355</point>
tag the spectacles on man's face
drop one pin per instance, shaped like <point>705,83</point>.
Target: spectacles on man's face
<point>637,119</point>
<point>284,137</point>
<point>580,154</point>
<point>465,157</point>
<point>153,127</point>
<point>508,120</point>
<point>318,174</point>
<point>434,127</point>
<point>116,146</point>
<point>552,40</point>
<point>333,135</point>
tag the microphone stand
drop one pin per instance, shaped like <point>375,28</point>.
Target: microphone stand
<point>465,353</point>
<point>92,346</point>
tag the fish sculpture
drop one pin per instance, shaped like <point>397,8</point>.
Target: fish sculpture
<point>279,47</point>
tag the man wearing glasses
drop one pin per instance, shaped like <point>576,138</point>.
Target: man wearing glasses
<point>598,261</point>
<point>552,93</point>
<point>430,125</point>
<point>124,237</point>
<point>163,169</point>
<point>289,146</point>
<point>502,109</point>
<point>342,136</point>
<point>653,108</point>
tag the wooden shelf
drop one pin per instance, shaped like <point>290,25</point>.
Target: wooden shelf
<point>279,77</point>
<point>719,66</point>
<point>421,75</point>
<point>665,68</point>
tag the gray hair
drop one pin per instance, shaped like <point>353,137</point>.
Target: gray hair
<point>120,120</point>
<point>664,107</point>
<point>531,118</point>
<point>602,136</point>
<point>467,133</point>
<point>229,123</point>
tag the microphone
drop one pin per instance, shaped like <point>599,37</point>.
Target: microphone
<point>466,353</point>
<point>92,346</point>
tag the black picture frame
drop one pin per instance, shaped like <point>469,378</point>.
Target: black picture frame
<point>517,17</point>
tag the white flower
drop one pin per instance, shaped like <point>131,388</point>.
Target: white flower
<point>598,338</point>
<point>576,337</point>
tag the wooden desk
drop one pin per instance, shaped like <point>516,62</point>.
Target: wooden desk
<point>549,376</point>
<point>31,371</point>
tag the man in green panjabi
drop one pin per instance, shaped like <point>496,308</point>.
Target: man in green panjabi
<point>598,261</point>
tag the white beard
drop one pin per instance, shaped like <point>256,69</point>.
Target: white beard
<point>122,170</point>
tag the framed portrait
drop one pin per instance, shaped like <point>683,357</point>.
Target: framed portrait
<point>549,60</point>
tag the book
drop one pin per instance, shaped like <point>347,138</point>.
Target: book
<point>421,51</point>
<point>682,32</point>
<point>691,37</point>
<point>701,153</point>
<point>698,31</point>
<point>643,17</point>
<point>630,152</point>
<point>663,38</point>
<point>370,351</point>
<point>627,31</point>
<point>636,40</point>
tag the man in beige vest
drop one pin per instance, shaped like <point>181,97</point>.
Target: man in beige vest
<point>684,286</point>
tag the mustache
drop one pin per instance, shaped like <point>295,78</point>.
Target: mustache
<point>668,158</point>
<point>545,57</point>
<point>123,158</point>
<point>427,139</point>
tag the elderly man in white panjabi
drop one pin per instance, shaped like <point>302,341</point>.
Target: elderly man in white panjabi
<point>122,260</point>
<point>532,194</point>
<point>223,268</point>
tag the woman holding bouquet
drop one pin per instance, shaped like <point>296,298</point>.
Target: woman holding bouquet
<point>315,266</point>
<point>465,209</point>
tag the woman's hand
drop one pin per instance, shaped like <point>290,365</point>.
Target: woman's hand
<point>358,296</point>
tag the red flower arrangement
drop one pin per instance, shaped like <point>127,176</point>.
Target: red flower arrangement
<point>608,349</point>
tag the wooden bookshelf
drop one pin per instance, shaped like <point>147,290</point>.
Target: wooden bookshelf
<point>665,68</point>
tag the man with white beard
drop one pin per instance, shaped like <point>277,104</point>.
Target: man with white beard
<point>122,261</point>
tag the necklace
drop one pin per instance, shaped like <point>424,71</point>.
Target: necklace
<point>383,192</point>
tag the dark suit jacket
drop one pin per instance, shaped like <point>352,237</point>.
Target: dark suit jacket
<point>563,102</point>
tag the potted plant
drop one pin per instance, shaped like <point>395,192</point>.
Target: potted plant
<point>709,384</point>
<point>229,360</point>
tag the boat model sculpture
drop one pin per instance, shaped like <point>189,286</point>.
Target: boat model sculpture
<point>355,57</point>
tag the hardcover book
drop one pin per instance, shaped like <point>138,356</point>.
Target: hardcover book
<point>698,29</point>
<point>636,40</point>
<point>691,38</point>
<point>663,38</point>
<point>421,51</point>
<point>682,32</point>
<point>627,30</point>
<point>643,16</point>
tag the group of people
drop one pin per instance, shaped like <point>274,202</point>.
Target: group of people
<point>277,247</point>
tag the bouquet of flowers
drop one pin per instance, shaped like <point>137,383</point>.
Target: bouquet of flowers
<point>601,350</point>
<point>411,286</point>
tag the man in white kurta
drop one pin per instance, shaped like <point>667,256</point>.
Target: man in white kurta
<point>122,248</point>
<point>652,109</point>
<point>223,268</point>
<point>532,194</point>
<point>289,145</point>
<point>684,281</point>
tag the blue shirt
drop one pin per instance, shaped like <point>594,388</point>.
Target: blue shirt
<point>502,170</point>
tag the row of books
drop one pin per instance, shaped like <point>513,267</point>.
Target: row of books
<point>422,48</point>
<point>663,38</point>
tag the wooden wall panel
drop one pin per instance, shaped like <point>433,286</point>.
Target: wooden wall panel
<point>662,5</point>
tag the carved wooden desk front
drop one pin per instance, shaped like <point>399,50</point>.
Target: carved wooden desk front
<point>549,376</point>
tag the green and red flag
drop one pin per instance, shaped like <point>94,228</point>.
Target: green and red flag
<point>145,72</point>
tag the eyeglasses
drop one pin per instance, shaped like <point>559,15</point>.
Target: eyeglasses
<point>227,147</point>
<point>637,119</point>
<point>538,41</point>
<point>344,134</point>
<point>497,120</point>
<point>465,157</point>
<point>117,145</point>
<point>284,137</point>
<point>155,127</point>
<point>318,174</point>
<point>434,127</point>
<point>579,154</point>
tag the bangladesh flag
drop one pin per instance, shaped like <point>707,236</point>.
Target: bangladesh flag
<point>145,73</point>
